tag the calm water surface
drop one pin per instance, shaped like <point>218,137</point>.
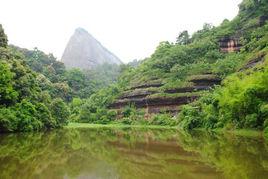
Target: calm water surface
<point>131,153</point>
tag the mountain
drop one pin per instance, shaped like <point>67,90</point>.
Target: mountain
<point>85,52</point>
<point>215,78</point>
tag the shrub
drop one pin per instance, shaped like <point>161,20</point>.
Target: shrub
<point>60,111</point>
<point>190,118</point>
<point>8,120</point>
<point>163,120</point>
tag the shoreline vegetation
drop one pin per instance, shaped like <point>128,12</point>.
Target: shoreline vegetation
<point>237,132</point>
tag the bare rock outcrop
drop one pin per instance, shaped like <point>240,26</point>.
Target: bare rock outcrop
<point>85,52</point>
<point>253,62</point>
<point>230,44</point>
<point>148,96</point>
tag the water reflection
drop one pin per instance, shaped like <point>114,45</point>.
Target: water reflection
<point>131,153</point>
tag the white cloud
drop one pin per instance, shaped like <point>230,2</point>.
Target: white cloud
<point>129,28</point>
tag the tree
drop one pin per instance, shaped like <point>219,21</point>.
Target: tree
<point>207,27</point>
<point>183,38</point>
<point>60,111</point>
<point>248,4</point>
<point>3,37</point>
<point>76,79</point>
<point>7,92</point>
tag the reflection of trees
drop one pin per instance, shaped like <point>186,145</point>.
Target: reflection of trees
<point>236,157</point>
<point>135,153</point>
<point>51,155</point>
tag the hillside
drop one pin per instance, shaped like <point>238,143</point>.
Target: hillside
<point>83,51</point>
<point>37,92</point>
<point>180,73</point>
<point>27,102</point>
<point>214,78</point>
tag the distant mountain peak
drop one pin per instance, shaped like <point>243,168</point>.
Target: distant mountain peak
<point>85,52</point>
<point>81,30</point>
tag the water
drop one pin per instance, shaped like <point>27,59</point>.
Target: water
<point>131,153</point>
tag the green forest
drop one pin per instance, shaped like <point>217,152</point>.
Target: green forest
<point>37,92</point>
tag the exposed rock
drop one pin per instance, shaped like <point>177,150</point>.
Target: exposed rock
<point>155,105</point>
<point>205,80</point>
<point>138,93</point>
<point>85,52</point>
<point>172,109</point>
<point>187,89</point>
<point>228,44</point>
<point>253,62</point>
<point>158,101</point>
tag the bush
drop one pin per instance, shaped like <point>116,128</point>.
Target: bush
<point>190,118</point>
<point>27,115</point>
<point>163,120</point>
<point>60,111</point>
<point>8,120</point>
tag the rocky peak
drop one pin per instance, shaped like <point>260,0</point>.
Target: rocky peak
<point>85,52</point>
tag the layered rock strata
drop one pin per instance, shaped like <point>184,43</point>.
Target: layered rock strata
<point>229,44</point>
<point>148,96</point>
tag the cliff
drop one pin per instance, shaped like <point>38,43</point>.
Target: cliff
<point>149,97</point>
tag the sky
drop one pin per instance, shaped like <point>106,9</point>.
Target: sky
<point>131,29</point>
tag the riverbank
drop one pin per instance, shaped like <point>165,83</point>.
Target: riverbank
<point>237,132</point>
<point>87,125</point>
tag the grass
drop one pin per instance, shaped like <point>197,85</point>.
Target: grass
<point>174,95</point>
<point>202,77</point>
<point>87,125</point>
<point>237,132</point>
<point>245,132</point>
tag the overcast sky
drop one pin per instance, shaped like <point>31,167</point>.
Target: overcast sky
<point>131,29</point>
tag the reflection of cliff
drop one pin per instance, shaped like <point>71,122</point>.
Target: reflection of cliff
<point>129,153</point>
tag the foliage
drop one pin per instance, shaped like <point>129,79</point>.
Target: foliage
<point>60,111</point>
<point>183,38</point>
<point>30,79</point>
<point>24,97</point>
<point>95,109</point>
<point>3,37</point>
<point>7,93</point>
<point>240,103</point>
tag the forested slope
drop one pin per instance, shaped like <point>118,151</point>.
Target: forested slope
<point>37,92</point>
<point>24,105</point>
<point>224,67</point>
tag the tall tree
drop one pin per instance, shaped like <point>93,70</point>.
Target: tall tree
<point>183,38</point>
<point>3,37</point>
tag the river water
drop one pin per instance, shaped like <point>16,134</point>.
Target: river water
<point>131,153</point>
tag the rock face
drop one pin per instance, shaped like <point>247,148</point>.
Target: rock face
<point>228,44</point>
<point>254,62</point>
<point>142,95</point>
<point>85,52</point>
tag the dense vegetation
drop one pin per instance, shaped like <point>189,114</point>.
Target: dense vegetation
<point>242,100</point>
<point>24,106</point>
<point>37,92</point>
